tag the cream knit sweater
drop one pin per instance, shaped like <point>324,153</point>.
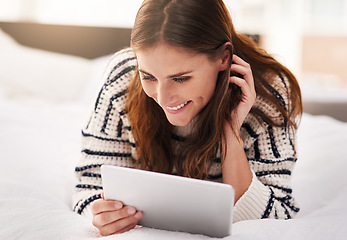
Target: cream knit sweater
<point>107,139</point>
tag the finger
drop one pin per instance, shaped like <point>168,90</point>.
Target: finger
<point>101,205</point>
<point>131,226</point>
<point>236,59</point>
<point>245,88</point>
<point>243,70</point>
<point>246,73</point>
<point>239,69</point>
<point>105,218</point>
<point>121,225</point>
<point>116,227</point>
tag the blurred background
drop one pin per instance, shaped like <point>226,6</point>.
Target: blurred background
<point>307,36</point>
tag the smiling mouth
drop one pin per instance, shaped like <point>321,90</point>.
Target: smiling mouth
<point>178,107</point>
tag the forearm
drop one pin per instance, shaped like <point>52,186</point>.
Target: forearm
<point>236,170</point>
<point>262,201</point>
<point>276,202</point>
<point>270,193</point>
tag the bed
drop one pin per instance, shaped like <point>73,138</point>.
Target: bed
<point>45,99</point>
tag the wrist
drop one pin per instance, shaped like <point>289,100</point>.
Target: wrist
<point>232,133</point>
<point>235,166</point>
<point>234,142</point>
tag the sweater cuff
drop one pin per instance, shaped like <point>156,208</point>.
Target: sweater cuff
<point>87,212</point>
<point>253,202</point>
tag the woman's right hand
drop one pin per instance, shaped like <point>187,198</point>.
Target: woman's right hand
<point>112,217</point>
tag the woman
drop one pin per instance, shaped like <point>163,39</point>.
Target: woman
<point>195,98</point>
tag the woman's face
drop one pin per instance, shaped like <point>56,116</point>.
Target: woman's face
<point>181,82</point>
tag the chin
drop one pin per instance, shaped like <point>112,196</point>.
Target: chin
<point>179,123</point>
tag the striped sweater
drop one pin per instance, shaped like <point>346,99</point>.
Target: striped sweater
<point>107,139</point>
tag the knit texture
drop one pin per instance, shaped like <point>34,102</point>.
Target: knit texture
<point>107,139</point>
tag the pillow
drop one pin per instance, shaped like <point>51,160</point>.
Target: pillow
<point>28,72</point>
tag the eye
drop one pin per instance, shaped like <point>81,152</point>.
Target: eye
<point>148,77</point>
<point>181,79</point>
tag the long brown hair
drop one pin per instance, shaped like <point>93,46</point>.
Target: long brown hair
<point>201,26</point>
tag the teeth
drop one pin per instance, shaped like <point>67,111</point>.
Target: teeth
<point>177,107</point>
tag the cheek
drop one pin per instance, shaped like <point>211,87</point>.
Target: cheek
<point>209,85</point>
<point>208,93</point>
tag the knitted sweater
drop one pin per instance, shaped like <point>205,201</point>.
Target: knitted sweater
<point>107,139</point>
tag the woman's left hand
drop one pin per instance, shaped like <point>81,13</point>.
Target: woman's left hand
<point>246,83</point>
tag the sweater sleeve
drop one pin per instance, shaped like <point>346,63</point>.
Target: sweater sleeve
<point>271,154</point>
<point>106,138</point>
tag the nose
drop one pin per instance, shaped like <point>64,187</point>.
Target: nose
<point>164,93</point>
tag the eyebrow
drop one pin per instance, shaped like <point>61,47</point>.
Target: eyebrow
<point>171,76</point>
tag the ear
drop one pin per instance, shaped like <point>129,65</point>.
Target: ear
<point>225,60</point>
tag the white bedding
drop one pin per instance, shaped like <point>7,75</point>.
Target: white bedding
<point>40,144</point>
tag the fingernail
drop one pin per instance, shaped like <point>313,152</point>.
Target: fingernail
<point>118,205</point>
<point>131,211</point>
<point>138,215</point>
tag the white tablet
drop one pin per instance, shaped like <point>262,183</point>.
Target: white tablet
<point>171,202</point>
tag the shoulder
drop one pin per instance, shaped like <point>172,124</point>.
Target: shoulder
<point>277,93</point>
<point>108,112</point>
<point>122,59</point>
<point>254,124</point>
<point>118,70</point>
<point>116,79</point>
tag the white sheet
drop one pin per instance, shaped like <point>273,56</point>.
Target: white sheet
<point>40,144</point>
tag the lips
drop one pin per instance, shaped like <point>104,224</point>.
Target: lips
<point>178,107</point>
